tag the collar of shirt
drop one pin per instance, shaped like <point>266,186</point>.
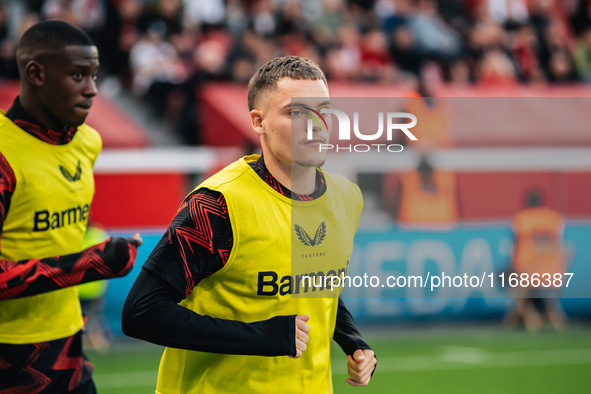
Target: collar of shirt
<point>261,169</point>
<point>23,119</point>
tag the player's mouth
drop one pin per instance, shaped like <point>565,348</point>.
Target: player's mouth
<point>315,142</point>
<point>85,105</point>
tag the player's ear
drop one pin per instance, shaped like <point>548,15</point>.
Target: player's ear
<point>35,73</point>
<point>256,121</point>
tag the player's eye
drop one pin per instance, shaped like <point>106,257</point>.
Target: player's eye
<point>77,76</point>
<point>94,76</point>
<point>296,113</point>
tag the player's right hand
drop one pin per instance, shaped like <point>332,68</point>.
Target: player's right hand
<point>301,337</point>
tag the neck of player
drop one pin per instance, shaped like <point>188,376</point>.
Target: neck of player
<point>43,117</point>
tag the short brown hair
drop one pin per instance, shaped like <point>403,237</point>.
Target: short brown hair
<point>293,67</point>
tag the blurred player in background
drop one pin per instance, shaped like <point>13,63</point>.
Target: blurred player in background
<point>539,252</point>
<point>46,188</point>
<point>218,289</point>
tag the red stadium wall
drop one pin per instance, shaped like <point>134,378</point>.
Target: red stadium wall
<point>224,116</point>
<point>578,193</point>
<point>151,199</point>
<point>493,195</point>
<point>137,199</point>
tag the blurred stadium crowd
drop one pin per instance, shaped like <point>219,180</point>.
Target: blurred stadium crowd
<point>163,50</point>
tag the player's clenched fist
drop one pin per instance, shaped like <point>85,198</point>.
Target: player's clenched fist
<point>360,367</point>
<point>301,337</point>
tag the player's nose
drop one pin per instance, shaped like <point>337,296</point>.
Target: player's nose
<point>90,88</point>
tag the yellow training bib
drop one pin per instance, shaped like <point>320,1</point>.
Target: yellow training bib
<point>47,217</point>
<point>271,232</point>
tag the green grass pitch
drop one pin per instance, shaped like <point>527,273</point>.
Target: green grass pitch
<point>419,360</point>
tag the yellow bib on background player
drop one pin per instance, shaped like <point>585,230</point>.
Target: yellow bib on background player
<point>258,283</point>
<point>47,217</point>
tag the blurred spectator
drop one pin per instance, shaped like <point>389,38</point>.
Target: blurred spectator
<point>434,38</point>
<point>363,13</point>
<point>168,12</point>
<point>209,57</point>
<point>524,51</point>
<point>384,9</point>
<point>8,67</point>
<point>508,12</point>
<point>540,15</point>
<point>455,13</point>
<point>560,68</point>
<point>496,69</point>
<point>290,20</point>
<point>89,15</point>
<point>483,37</point>
<point>263,20</point>
<point>330,19</point>
<point>582,56</point>
<point>242,69</point>
<point>199,12</point>
<point>459,74</point>
<point>403,52</point>
<point>554,39</point>
<point>402,10</point>
<point>122,19</point>
<point>156,68</point>
<point>343,61</point>
<point>59,9</point>
<point>253,46</point>
<point>580,16</point>
<point>236,18</point>
<point>375,59</point>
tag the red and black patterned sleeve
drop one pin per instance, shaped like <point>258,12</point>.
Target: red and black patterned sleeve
<point>196,244</point>
<point>110,259</point>
<point>7,185</point>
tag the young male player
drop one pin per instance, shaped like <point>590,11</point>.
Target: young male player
<point>227,258</point>
<point>46,188</point>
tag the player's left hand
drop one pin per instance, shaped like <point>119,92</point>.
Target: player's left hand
<point>360,367</point>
